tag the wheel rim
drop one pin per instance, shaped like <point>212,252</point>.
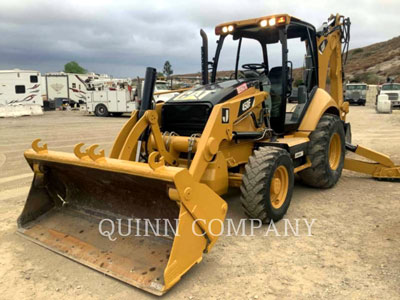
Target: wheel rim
<point>101,110</point>
<point>279,187</point>
<point>335,151</point>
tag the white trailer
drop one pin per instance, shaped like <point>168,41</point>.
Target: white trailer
<point>20,93</point>
<point>69,87</point>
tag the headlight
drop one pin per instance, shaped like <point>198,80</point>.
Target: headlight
<point>264,23</point>
<point>272,22</point>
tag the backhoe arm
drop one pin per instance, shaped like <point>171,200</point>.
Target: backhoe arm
<point>330,59</point>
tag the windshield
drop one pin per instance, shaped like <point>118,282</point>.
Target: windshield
<point>391,87</point>
<point>250,52</point>
<point>161,86</point>
<point>356,87</point>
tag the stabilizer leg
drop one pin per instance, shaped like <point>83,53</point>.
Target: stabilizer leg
<point>381,167</point>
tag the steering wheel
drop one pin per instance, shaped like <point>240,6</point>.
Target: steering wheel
<point>253,67</point>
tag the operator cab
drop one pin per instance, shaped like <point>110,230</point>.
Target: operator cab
<point>262,52</point>
<point>283,43</point>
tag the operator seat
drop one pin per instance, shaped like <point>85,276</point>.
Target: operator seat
<point>275,76</point>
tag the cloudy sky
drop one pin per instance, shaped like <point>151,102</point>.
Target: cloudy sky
<point>122,37</point>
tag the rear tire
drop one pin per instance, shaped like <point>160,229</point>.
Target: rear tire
<point>326,152</point>
<point>101,110</point>
<point>267,184</point>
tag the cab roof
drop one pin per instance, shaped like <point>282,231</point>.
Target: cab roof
<point>280,19</point>
<point>265,28</point>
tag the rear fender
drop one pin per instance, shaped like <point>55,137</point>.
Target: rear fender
<point>320,104</point>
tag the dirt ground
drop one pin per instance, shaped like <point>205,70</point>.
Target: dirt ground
<point>354,250</point>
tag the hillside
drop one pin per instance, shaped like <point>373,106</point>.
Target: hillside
<point>374,63</point>
<point>371,64</point>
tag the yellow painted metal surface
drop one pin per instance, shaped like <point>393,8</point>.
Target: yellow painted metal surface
<point>279,187</point>
<point>123,135</point>
<point>254,21</point>
<point>320,103</point>
<point>335,151</point>
<point>379,166</point>
<point>156,264</point>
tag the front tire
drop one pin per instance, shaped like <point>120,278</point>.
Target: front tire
<point>101,110</point>
<point>326,152</point>
<point>267,184</point>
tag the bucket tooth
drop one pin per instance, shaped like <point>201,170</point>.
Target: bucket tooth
<point>96,157</point>
<point>79,154</point>
<point>39,149</point>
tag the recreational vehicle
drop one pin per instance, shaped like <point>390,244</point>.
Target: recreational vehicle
<point>69,87</point>
<point>20,93</point>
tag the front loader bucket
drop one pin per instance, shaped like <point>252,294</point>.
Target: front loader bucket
<point>72,198</point>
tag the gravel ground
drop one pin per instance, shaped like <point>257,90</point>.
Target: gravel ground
<point>353,252</point>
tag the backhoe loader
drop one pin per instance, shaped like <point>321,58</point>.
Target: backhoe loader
<point>175,160</point>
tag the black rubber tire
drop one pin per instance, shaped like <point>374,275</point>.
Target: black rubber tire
<point>256,184</point>
<point>101,110</point>
<point>320,174</point>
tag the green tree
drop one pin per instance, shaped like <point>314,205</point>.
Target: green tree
<point>74,67</point>
<point>167,69</point>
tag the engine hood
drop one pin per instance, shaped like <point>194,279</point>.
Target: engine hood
<point>213,93</point>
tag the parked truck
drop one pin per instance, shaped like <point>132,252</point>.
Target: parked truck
<point>113,96</point>
<point>356,93</point>
<point>388,98</point>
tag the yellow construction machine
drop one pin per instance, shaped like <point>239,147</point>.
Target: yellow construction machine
<point>175,160</point>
